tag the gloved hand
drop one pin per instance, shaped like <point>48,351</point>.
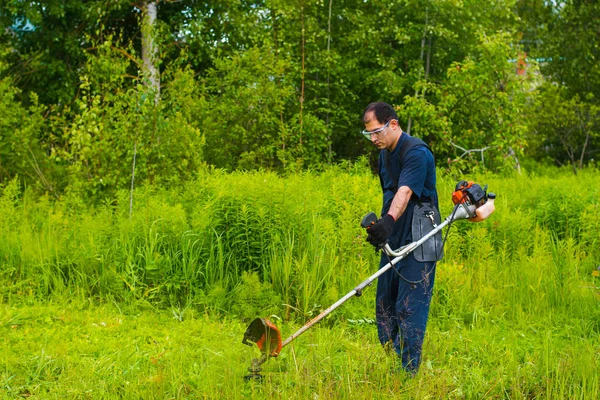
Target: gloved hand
<point>380,230</point>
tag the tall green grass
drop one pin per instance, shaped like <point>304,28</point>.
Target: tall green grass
<point>300,236</point>
<point>516,299</point>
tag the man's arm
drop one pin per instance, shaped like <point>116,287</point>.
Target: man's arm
<point>412,180</point>
<point>400,202</point>
<point>381,230</point>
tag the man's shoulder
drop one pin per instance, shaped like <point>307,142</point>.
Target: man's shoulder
<point>419,151</point>
<point>411,142</point>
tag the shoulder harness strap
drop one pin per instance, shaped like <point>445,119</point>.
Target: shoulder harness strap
<point>408,143</point>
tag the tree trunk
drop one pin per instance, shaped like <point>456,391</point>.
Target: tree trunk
<point>428,62</point>
<point>409,125</point>
<point>328,81</point>
<point>302,88</point>
<point>571,154</point>
<point>150,49</point>
<point>587,138</point>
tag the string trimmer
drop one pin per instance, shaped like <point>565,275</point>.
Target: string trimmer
<point>471,202</point>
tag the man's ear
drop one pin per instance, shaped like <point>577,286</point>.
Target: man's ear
<point>394,124</point>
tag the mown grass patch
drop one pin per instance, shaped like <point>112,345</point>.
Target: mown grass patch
<point>79,350</point>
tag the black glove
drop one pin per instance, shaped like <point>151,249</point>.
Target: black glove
<point>380,230</point>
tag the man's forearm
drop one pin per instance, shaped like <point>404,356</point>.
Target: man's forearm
<point>400,202</point>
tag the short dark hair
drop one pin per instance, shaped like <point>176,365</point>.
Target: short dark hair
<point>384,113</point>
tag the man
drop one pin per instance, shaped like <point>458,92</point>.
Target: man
<point>407,177</point>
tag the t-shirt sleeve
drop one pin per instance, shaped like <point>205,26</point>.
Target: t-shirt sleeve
<point>414,170</point>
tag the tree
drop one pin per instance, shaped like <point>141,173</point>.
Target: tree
<point>49,40</point>
<point>479,105</point>
<point>149,48</point>
<point>564,36</point>
<point>20,150</point>
<point>566,127</point>
<point>113,119</point>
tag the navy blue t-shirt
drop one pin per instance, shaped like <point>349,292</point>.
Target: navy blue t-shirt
<point>417,171</point>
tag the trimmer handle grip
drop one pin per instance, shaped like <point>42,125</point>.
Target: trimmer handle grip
<point>368,220</point>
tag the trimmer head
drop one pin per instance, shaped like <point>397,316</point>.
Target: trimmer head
<point>254,370</point>
<point>266,336</point>
<point>268,339</point>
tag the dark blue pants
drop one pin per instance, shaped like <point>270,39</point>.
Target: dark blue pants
<point>402,307</point>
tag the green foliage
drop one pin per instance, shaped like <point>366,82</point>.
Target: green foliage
<point>280,85</point>
<point>571,42</point>
<point>210,240</point>
<point>565,121</point>
<point>49,40</point>
<point>253,298</point>
<point>114,122</point>
<point>478,107</point>
<point>246,98</point>
<point>277,84</point>
<point>565,127</point>
<point>20,152</point>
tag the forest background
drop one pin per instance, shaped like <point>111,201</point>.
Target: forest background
<point>281,85</point>
<point>170,170</point>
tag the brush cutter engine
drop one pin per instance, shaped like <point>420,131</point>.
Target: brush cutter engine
<point>472,202</point>
<point>469,193</point>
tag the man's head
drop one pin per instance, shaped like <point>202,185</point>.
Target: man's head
<point>381,125</point>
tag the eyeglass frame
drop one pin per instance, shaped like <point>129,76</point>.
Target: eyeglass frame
<point>367,134</point>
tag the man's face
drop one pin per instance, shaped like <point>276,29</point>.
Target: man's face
<point>385,138</point>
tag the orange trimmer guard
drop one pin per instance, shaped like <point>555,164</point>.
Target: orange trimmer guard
<point>266,336</point>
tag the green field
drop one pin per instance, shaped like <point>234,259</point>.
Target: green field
<point>95,303</point>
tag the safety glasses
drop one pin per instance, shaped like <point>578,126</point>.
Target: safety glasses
<point>377,131</point>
